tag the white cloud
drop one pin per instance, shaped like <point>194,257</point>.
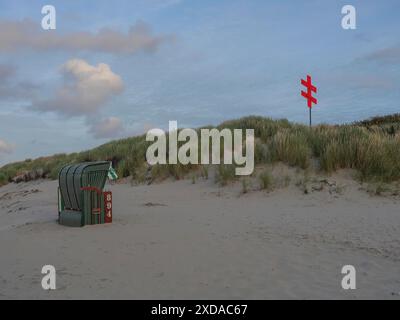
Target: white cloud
<point>26,34</point>
<point>86,88</point>
<point>5,148</point>
<point>111,127</point>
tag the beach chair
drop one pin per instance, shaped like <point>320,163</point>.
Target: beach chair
<point>81,198</point>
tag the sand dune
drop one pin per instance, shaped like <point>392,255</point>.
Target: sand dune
<point>181,240</point>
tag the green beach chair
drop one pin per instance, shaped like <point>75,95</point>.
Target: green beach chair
<point>81,198</point>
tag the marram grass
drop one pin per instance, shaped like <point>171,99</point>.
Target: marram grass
<point>371,147</point>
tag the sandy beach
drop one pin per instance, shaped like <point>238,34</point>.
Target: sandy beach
<point>185,240</point>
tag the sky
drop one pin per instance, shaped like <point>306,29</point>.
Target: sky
<point>113,69</point>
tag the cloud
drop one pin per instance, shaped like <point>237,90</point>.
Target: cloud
<point>111,127</point>
<point>5,148</point>
<point>161,4</point>
<point>387,55</point>
<point>85,89</point>
<point>10,88</point>
<point>6,72</point>
<point>26,34</point>
<point>363,80</point>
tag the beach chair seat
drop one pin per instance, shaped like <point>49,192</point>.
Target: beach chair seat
<point>70,218</point>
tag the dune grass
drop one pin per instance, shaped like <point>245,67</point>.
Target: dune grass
<point>266,180</point>
<point>372,147</point>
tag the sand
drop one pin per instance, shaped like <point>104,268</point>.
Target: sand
<point>179,240</point>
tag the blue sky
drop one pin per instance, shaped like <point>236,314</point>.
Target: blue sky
<point>197,62</point>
